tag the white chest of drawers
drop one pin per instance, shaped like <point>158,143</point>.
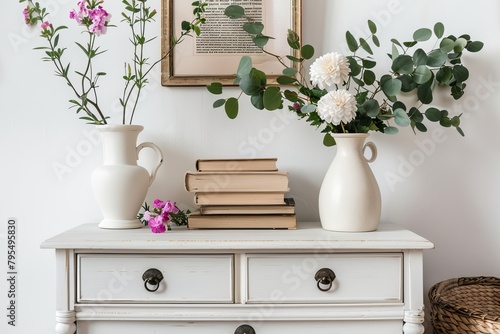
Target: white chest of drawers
<point>239,281</point>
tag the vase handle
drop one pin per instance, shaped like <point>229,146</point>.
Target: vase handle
<point>159,161</point>
<point>373,149</point>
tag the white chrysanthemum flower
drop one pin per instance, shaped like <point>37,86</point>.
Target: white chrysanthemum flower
<point>330,69</point>
<point>337,106</point>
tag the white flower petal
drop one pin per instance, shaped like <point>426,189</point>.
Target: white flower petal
<point>337,106</point>
<point>329,69</point>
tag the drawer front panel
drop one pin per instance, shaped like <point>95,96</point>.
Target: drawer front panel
<point>274,327</point>
<point>360,278</point>
<point>186,278</point>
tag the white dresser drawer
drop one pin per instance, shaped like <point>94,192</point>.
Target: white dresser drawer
<point>118,278</point>
<point>360,278</point>
<point>225,327</point>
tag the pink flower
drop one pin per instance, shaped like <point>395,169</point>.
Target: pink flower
<point>26,13</point>
<point>81,14</point>
<point>96,19</point>
<point>45,25</point>
<point>157,225</point>
<point>100,18</point>
<point>158,204</point>
<point>170,207</point>
<point>147,215</point>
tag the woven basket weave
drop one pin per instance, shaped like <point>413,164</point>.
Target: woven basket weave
<point>466,305</point>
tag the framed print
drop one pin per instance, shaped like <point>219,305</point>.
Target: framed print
<point>216,53</point>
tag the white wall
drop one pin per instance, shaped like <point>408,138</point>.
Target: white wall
<point>438,184</point>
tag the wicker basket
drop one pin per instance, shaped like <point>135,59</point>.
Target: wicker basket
<point>466,305</point>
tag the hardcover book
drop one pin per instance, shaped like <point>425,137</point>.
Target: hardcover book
<point>239,198</point>
<point>236,181</point>
<point>288,207</point>
<point>236,165</point>
<point>199,221</point>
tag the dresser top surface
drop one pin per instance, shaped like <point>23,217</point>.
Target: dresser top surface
<point>307,236</point>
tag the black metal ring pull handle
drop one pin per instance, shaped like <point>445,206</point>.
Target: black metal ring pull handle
<point>244,329</point>
<point>152,277</point>
<point>324,276</point>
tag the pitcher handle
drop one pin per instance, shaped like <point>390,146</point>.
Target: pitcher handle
<point>159,161</point>
<point>373,149</point>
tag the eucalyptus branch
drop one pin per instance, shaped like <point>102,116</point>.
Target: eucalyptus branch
<point>346,94</point>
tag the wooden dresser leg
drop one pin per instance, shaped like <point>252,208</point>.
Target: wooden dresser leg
<point>414,322</point>
<point>65,322</point>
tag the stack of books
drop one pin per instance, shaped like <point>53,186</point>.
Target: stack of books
<point>240,193</point>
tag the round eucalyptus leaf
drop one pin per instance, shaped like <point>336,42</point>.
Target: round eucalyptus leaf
<point>250,84</point>
<point>439,30</point>
<point>257,101</point>
<point>422,74</point>
<point>399,105</point>
<point>436,58</point>
<point>234,11</point>
<point>421,127</point>
<point>392,87</point>
<point>372,26</point>
<point>446,45</point>
<point>261,40</point>
<point>272,98</point>
<point>369,77</point>
<point>395,41</point>
<point>410,44</point>
<point>219,103</point>
<point>244,67</point>
<point>371,107</point>
<point>457,92</point>
<point>294,59</point>
<point>407,83</point>
<point>364,44</point>
<point>403,64</point>
<point>352,44</point>
<point>420,57</point>
<point>290,71</point>
<point>445,122</point>
<point>460,72</point>
<point>460,45</point>
<point>455,121</point>
<point>401,118</point>
<point>285,80</point>
<point>422,35</point>
<point>307,51</point>
<point>368,63</point>
<point>444,76</point>
<point>415,115</point>
<point>328,140</point>
<point>354,66</point>
<point>253,28</point>
<point>475,46</point>
<point>308,108</point>
<point>433,114</point>
<point>215,88</point>
<point>424,93</point>
<point>391,130</point>
<point>291,95</point>
<point>231,107</point>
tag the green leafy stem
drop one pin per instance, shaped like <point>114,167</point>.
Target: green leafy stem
<point>412,70</point>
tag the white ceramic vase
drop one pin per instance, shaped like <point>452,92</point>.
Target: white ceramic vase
<point>349,198</point>
<point>120,185</point>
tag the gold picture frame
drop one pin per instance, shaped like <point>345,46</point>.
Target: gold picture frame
<point>199,61</point>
